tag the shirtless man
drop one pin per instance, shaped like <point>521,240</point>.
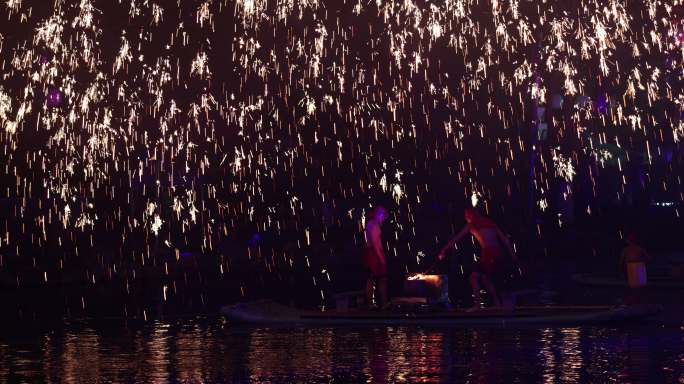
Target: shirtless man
<point>490,238</point>
<point>374,256</point>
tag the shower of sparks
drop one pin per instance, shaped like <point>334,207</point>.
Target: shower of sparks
<point>180,124</point>
<point>564,167</point>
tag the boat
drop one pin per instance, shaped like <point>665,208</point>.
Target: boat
<point>616,281</point>
<point>270,313</point>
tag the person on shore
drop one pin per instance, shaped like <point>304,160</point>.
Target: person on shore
<point>374,260</point>
<point>490,238</point>
<point>633,261</point>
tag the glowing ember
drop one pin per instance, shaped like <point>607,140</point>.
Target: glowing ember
<point>429,279</point>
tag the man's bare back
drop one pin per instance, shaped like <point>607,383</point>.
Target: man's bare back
<point>485,231</point>
<point>487,237</point>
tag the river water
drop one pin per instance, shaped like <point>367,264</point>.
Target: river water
<point>207,349</point>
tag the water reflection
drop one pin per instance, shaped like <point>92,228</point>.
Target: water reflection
<point>208,350</point>
<point>548,357</point>
<point>273,353</point>
<point>80,350</point>
<point>571,355</point>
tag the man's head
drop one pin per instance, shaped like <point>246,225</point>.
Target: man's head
<point>379,213</point>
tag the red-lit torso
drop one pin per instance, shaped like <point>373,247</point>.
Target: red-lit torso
<point>372,261</point>
<point>484,231</point>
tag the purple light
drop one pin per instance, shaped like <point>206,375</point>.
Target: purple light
<point>54,97</point>
<point>602,104</point>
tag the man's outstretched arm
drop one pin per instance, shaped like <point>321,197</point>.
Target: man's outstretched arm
<point>453,241</point>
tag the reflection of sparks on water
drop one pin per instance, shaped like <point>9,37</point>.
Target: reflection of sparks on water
<point>171,126</point>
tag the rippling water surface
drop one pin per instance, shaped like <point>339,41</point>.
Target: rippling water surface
<point>208,349</point>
